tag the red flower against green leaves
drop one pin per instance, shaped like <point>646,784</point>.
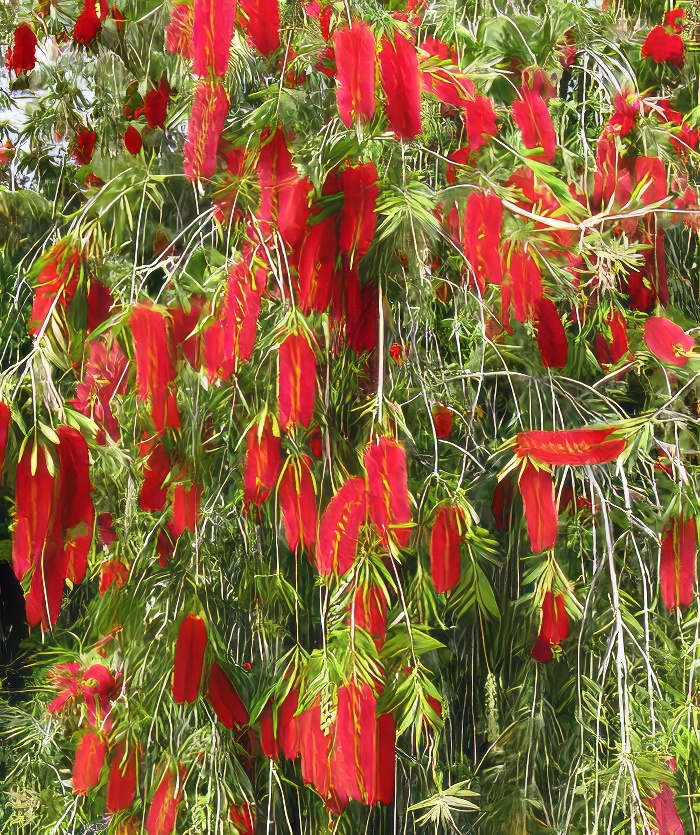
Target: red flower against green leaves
<point>663,47</point>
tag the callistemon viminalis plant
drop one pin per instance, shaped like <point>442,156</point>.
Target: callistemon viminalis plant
<point>349,413</point>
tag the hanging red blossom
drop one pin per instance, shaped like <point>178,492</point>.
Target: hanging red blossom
<point>663,804</point>
<point>358,218</point>
<point>369,608</point>
<point>663,48</point>
<point>667,341</point>
<point>156,104</point>
<point>162,813</point>
<point>189,659</point>
<point>650,173</point>
<point>225,701</point>
<point>112,571</point>
<point>317,265</point>
<point>526,282</point>
<point>609,352</point>
<point>356,306</point>
<point>132,140</point>
<point>287,726</point>
<point>554,628</point>
<point>537,491</point>
<point>483,220</point>
<point>121,787</point>
<point>21,55</point>
<point>386,759</point>
<point>401,82</point>
<point>442,421</point>
<point>153,494</point>
<point>531,115</point>
<point>268,742</point>
<point>480,121</point>
<point>340,527</point>
<point>353,763</point>
<point>445,553</point>
<point>298,504</point>
<point>99,304</point>
<point>551,336</point>
<point>678,562</point>
<point>315,750</point>
<point>84,147</point>
<point>155,372</point>
<point>262,24</point>
<point>571,446</point>
<point>296,382</point>
<point>262,464</point>
<point>178,33</point>
<point>89,24</point>
<point>355,55</point>
<point>89,759</point>
<point>387,480</point>
<point>212,31</point>
<point>243,818</point>
<point>185,509</point>
<point>205,127</point>
<point>56,284</point>
<point>96,686</point>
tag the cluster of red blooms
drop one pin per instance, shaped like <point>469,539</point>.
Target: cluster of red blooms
<point>664,44</point>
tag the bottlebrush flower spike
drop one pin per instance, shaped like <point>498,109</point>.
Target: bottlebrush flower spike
<point>551,336</point>
<point>401,81</point>
<point>262,464</point>
<point>89,759</point>
<point>315,750</point>
<point>204,130</point>
<point>153,495</point>
<point>678,562</point>
<point>663,804</point>
<point>537,491</point>
<point>75,497</point>
<point>445,554</point>
<point>554,628</point>
<point>89,24</point>
<point>84,147</point>
<point>287,727</point>
<point>480,121</point>
<point>531,115</point>
<point>189,659</point>
<point>21,55</point>
<point>358,218</point>
<point>356,61</point>
<point>663,47</point>
<point>268,742</point>
<point>178,33</point>
<point>353,763</point>
<point>442,420</point>
<point>243,818</point>
<point>298,504</point>
<point>212,31</point>
<point>317,264</point>
<point>156,104</point>
<point>56,284</point>
<point>386,759</point>
<point>121,787</point>
<point>483,221</point>
<point>387,480</point>
<point>369,607</point>
<point>5,423</point>
<point>571,446</point>
<point>340,527</point>
<point>186,503</point>
<point>610,351</point>
<point>225,701</point>
<point>526,281</point>
<point>155,372</point>
<point>162,813</point>
<point>112,571</point>
<point>262,24</point>
<point>132,140</point>
<point>296,382</point>
<point>667,341</point>
<point>650,173</point>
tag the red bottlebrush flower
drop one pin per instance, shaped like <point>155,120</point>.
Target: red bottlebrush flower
<point>112,571</point>
<point>178,33</point>
<point>84,146</point>
<point>502,503</point>
<point>162,813</point>
<point>155,372</point>
<point>132,140</point>
<point>296,382</point>
<point>537,491</point>
<point>667,341</point>
<point>678,562</point>
<point>298,504</point>
<point>369,607</point>
<point>674,19</point>
<point>401,81</point>
<point>5,422</point>
<point>610,351</point>
<point>551,336</point>
<point>340,527</point>
<point>268,743</point>
<point>262,24</point>
<point>153,495</point>
<point>185,510</point>
<point>317,263</point>
<point>316,442</point>
<point>56,283</point>
<point>554,628</point>
<point>243,818</point>
<point>359,309</point>
<point>396,352</point>
<point>121,787</point>
<point>356,60</point>
<point>482,237</point>
<point>663,804</point>
<point>95,684</point>
<point>204,131</point>
<point>156,105</point>
<point>353,762</point>
<point>99,304</point>
<point>386,759</point>
<point>627,104</point>
<point>531,115</point>
<point>89,759</point>
<point>164,548</point>
<point>212,32</point>
<point>358,218</point>
<point>225,701</point>
<point>480,121</point>
<point>442,420</point>
<point>445,554</point>
<point>182,330</point>
<point>89,24</point>
<point>21,55</point>
<point>526,281</point>
<point>189,659</point>
<point>315,750</point>
<point>663,48</point>
<point>262,464</point>
<point>387,480</point>
<point>571,446</point>
<point>650,172</point>
<point>287,728</point>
